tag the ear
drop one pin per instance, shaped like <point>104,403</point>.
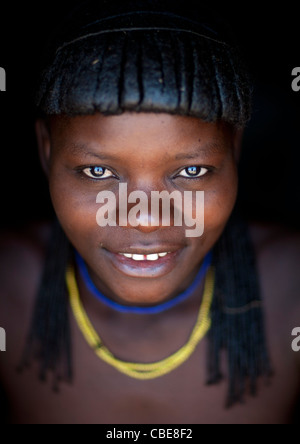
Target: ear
<point>237,143</point>
<point>44,143</point>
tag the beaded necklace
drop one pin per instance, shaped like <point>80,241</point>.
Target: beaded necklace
<point>140,370</point>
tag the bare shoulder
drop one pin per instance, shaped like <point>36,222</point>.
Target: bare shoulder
<point>278,258</point>
<point>278,252</point>
<point>22,254</point>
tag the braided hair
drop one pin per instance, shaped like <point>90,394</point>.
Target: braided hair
<point>150,56</point>
<point>113,56</point>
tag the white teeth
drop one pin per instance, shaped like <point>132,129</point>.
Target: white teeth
<point>141,257</point>
<point>162,254</point>
<point>152,257</point>
<point>137,257</point>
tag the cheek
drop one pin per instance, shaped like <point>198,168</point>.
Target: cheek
<point>220,201</point>
<point>75,208</point>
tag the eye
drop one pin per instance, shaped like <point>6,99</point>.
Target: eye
<point>193,172</point>
<point>98,172</point>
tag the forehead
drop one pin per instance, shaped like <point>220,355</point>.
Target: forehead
<point>138,131</point>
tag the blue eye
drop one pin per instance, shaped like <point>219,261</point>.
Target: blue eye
<point>193,172</point>
<point>98,172</point>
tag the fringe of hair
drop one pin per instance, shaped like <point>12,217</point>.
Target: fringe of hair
<point>174,71</point>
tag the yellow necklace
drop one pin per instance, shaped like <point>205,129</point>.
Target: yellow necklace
<point>136,370</point>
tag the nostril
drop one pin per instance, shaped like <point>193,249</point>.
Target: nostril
<point>147,228</point>
<point>145,219</point>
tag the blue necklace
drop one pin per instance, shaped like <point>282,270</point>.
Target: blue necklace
<point>142,310</point>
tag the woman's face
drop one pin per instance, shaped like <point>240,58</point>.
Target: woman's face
<point>87,155</point>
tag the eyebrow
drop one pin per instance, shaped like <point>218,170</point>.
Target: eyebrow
<point>82,149</point>
<point>212,147</point>
<point>207,149</point>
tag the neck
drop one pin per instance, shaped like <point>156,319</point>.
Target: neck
<point>144,338</point>
<point>151,310</point>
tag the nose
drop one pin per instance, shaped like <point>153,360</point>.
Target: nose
<point>147,221</point>
<point>147,210</point>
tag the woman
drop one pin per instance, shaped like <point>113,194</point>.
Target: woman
<point>151,95</point>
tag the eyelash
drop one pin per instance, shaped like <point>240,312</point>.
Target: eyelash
<point>113,175</point>
<point>83,175</point>
<point>201,167</point>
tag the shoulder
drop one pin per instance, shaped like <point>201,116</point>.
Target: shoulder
<point>22,257</point>
<point>278,258</point>
<point>22,254</point>
<point>278,253</point>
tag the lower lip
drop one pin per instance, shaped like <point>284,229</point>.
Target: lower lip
<point>145,269</point>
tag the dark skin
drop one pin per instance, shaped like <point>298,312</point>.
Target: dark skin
<point>146,152</point>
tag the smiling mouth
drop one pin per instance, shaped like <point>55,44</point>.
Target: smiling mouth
<point>145,257</point>
<point>140,262</point>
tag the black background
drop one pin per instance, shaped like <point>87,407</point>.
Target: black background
<point>269,171</point>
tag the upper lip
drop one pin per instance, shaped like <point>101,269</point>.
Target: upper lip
<point>147,250</point>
